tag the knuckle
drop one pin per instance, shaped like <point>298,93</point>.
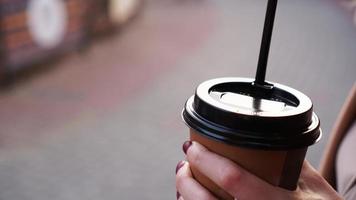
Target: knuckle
<point>229,178</point>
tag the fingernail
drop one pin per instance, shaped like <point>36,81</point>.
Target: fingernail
<point>179,165</point>
<point>178,195</point>
<point>186,146</point>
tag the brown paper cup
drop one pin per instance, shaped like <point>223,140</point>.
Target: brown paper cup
<point>279,168</point>
<point>265,130</point>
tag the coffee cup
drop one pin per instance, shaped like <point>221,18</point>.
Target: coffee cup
<point>266,129</point>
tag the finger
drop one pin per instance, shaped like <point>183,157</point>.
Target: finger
<point>229,176</point>
<point>310,179</point>
<point>311,176</point>
<point>189,188</point>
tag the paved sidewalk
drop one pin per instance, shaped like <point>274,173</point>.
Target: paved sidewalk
<point>105,124</point>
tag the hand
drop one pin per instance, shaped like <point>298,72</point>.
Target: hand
<point>241,184</point>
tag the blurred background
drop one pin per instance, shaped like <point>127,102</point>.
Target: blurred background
<point>92,90</point>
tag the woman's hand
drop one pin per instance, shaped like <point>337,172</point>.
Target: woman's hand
<point>241,184</point>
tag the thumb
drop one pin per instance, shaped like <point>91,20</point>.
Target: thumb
<point>311,181</point>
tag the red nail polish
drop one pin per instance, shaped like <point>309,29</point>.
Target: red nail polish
<point>179,165</point>
<point>186,146</point>
<point>178,195</point>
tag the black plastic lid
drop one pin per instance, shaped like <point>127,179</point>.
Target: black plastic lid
<point>239,112</point>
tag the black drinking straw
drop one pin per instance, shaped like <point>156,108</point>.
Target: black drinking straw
<point>266,42</point>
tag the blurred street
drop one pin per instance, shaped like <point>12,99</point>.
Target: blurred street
<point>105,123</point>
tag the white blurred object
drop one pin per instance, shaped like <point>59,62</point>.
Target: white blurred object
<point>122,10</point>
<point>47,22</point>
